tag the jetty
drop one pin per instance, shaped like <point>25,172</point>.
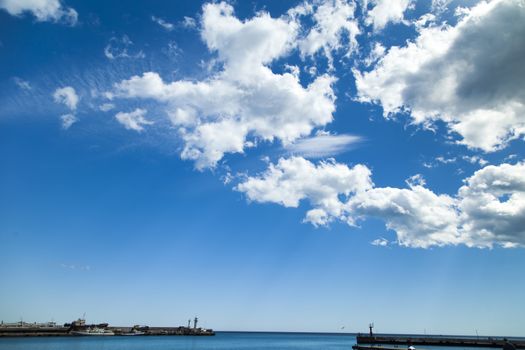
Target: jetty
<point>432,340</point>
<point>373,341</point>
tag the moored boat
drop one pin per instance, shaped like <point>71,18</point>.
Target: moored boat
<point>92,331</point>
<point>134,332</point>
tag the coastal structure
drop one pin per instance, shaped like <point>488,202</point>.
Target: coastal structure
<point>376,341</point>
<point>80,328</point>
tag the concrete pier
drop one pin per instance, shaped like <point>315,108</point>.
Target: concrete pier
<point>405,341</point>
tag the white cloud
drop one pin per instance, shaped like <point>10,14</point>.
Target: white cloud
<point>68,120</point>
<point>378,51</point>
<point>133,120</point>
<point>468,76</point>
<point>230,111</point>
<point>120,48</point>
<point>43,10</point>
<point>416,180</point>
<point>380,242</point>
<point>22,84</point>
<point>189,22</point>
<point>440,5</point>
<point>424,21</point>
<point>492,204</point>
<point>444,160</point>
<point>419,217</point>
<point>294,179</point>
<point>163,23</point>
<point>66,96</point>
<point>333,22</point>
<point>475,160</point>
<point>511,157</point>
<point>488,210</point>
<point>106,107</point>
<point>386,11</point>
<point>323,145</point>
<point>76,267</point>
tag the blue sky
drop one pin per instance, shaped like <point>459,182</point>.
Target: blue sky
<point>292,166</point>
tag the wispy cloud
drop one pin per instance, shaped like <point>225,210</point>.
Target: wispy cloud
<point>106,107</point>
<point>475,160</point>
<point>189,22</point>
<point>120,48</point>
<point>68,120</point>
<point>76,267</point>
<point>323,145</point>
<point>133,120</point>
<point>163,23</point>
<point>22,84</point>
<point>380,242</point>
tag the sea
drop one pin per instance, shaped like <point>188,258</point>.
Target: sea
<point>221,341</point>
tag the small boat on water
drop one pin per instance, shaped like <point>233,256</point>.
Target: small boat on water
<point>134,332</point>
<point>93,331</point>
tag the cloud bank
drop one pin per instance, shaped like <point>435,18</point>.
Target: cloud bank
<point>43,10</point>
<point>470,76</point>
<point>229,111</point>
<point>488,210</point>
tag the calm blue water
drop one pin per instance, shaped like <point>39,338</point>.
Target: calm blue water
<point>221,341</point>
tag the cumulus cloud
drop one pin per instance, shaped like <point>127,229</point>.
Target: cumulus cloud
<point>133,120</point>
<point>68,120</point>
<point>43,10</point>
<point>163,23</point>
<point>386,11</point>
<point>488,210</point>
<point>230,111</point>
<point>294,179</point>
<point>469,76</point>
<point>333,21</point>
<point>492,204</point>
<point>323,145</point>
<point>419,217</point>
<point>66,96</point>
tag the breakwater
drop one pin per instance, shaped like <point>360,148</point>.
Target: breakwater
<point>484,342</point>
<point>79,327</point>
